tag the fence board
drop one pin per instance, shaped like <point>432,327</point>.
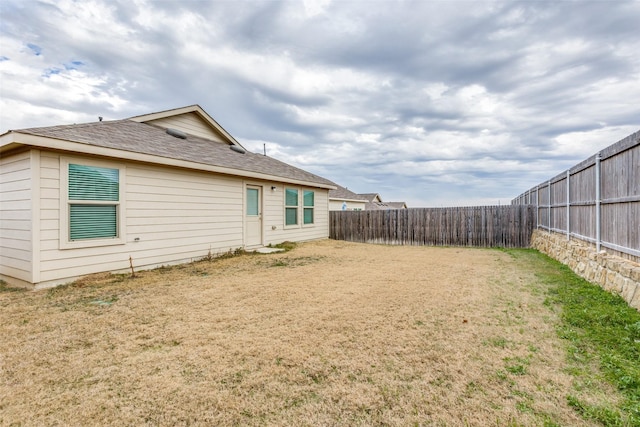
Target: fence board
<point>481,226</point>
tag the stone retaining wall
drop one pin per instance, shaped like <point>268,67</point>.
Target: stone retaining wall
<point>615,274</point>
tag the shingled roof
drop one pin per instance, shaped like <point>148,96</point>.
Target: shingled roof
<point>136,137</point>
<point>370,197</point>
<point>374,202</point>
<point>343,193</point>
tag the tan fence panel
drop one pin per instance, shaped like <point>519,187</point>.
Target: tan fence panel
<point>480,226</point>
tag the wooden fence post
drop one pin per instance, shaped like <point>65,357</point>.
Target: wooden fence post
<point>598,199</point>
<point>568,205</point>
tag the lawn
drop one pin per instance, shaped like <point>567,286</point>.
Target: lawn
<point>329,333</point>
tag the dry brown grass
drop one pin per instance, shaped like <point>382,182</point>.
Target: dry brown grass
<point>331,333</point>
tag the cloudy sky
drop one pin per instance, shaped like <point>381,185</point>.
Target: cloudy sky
<point>435,103</point>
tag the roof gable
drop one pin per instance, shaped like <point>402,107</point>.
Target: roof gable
<point>192,120</point>
<point>397,205</point>
<point>371,197</point>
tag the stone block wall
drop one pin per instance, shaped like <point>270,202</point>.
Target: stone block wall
<point>613,273</point>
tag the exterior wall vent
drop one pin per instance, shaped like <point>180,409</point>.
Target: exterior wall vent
<point>177,133</point>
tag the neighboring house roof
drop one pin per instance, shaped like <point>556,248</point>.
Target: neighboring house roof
<point>372,206</point>
<point>135,139</point>
<point>396,205</point>
<point>371,197</point>
<point>374,202</point>
<point>342,193</point>
<point>376,206</point>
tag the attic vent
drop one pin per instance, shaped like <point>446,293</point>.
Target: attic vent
<point>177,133</point>
<point>237,149</point>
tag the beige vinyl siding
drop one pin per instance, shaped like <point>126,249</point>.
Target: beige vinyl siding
<point>274,216</point>
<point>49,202</point>
<point>189,123</point>
<point>16,217</point>
<point>183,210</point>
<point>172,216</point>
<point>320,229</point>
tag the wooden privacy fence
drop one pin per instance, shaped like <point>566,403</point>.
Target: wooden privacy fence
<point>598,200</point>
<point>482,226</point>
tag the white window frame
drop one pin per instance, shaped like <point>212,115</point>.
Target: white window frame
<point>303,207</point>
<point>285,206</point>
<point>64,239</point>
<point>300,208</point>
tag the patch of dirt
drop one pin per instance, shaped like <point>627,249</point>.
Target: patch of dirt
<point>330,333</point>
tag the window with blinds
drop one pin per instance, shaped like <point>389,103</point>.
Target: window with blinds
<point>94,196</point>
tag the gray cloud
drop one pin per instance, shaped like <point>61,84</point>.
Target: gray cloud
<point>430,102</point>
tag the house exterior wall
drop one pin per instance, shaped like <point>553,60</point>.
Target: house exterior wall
<point>16,218</point>
<point>189,123</point>
<point>170,216</point>
<point>336,205</point>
